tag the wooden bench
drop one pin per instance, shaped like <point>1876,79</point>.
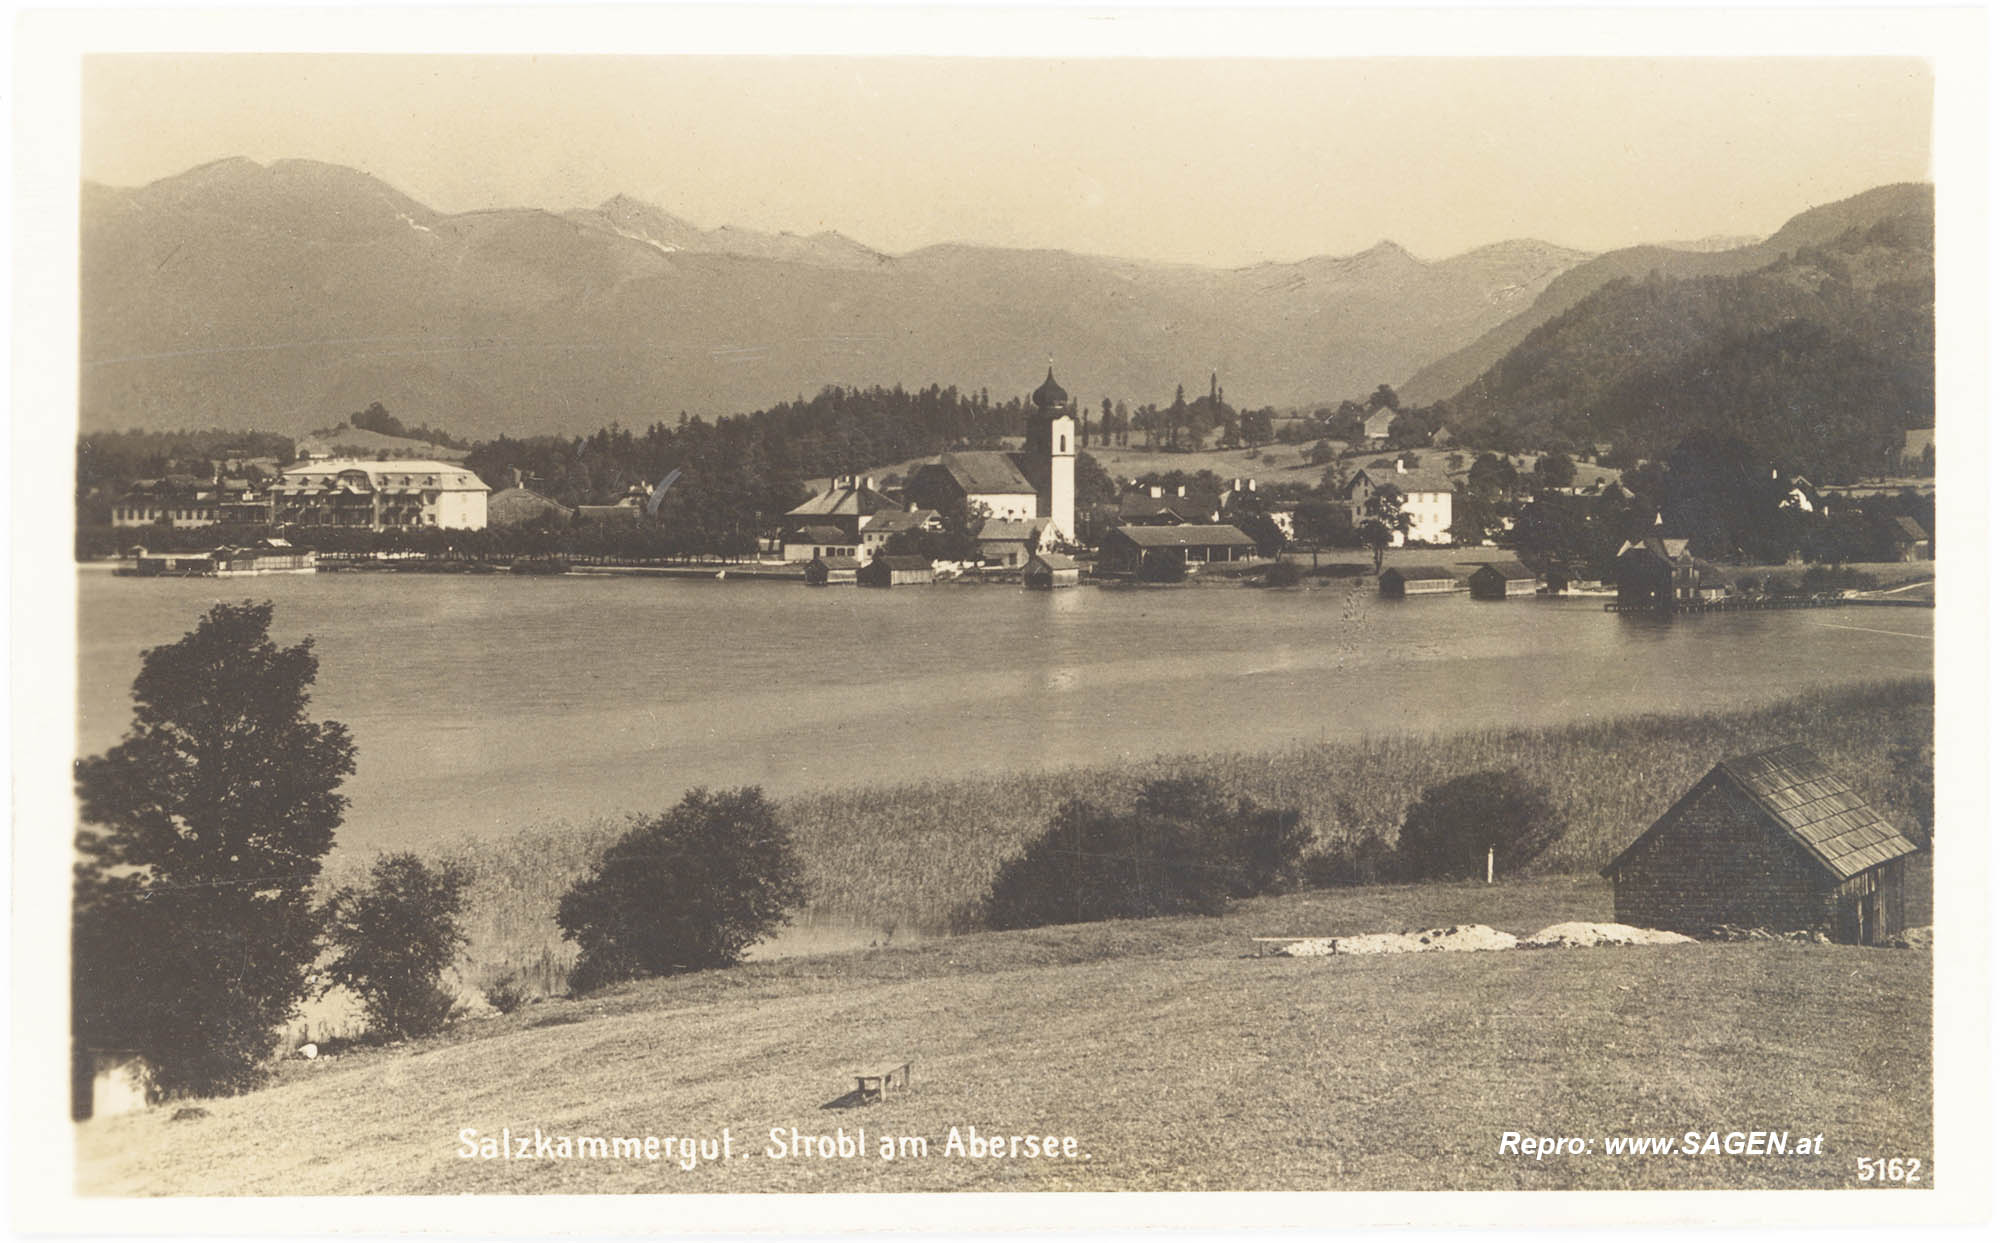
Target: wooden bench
<point>873,1086</point>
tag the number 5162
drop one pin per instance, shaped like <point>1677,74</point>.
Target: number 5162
<point>1888,1169</point>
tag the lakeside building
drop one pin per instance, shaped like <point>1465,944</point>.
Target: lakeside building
<point>1048,570</point>
<point>1656,572</point>
<point>848,502</point>
<point>1418,580</point>
<point>815,543</point>
<point>831,571</point>
<point>1772,840</point>
<point>380,495</point>
<point>1125,548</point>
<point>895,571</point>
<point>1038,481</point>
<point>1427,500</point>
<point>878,529</point>
<point>1009,542</point>
<point>1502,580</point>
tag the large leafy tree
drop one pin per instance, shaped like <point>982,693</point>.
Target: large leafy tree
<point>203,833</point>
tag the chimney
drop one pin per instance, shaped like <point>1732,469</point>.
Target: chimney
<point>1153,490</point>
<point>1249,485</point>
<point>868,482</point>
<point>1400,468</point>
<point>1180,489</point>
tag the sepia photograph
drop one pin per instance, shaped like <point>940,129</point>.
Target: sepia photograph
<point>804,615</point>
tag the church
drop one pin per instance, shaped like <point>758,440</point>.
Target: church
<point>1037,482</point>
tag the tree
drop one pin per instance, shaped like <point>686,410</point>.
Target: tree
<point>1556,470</point>
<point>1320,454</point>
<point>684,891</point>
<point>395,939</point>
<point>1320,524</point>
<point>1492,475</point>
<point>1384,398</point>
<point>1384,513</point>
<point>1447,832</point>
<point>194,924</point>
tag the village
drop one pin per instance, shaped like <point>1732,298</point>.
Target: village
<point>1437,519</point>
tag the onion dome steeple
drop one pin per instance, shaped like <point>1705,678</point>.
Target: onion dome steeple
<point>1050,396</point>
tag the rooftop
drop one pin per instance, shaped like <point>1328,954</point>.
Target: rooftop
<point>1189,536</point>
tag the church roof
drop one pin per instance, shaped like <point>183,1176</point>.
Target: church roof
<point>1051,395</point>
<point>986,472</point>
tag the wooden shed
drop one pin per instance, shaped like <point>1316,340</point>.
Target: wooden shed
<point>1418,580</point>
<point>1046,570</point>
<point>831,571</point>
<point>1773,840</point>
<point>894,571</point>
<point>1502,580</point>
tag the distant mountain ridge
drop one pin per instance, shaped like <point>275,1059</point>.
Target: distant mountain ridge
<point>287,295</point>
<point>1821,358</point>
<point>1448,375</point>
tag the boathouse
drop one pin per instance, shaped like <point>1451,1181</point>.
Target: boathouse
<point>1773,840</point>
<point>1124,548</point>
<point>1502,580</point>
<point>894,571</point>
<point>831,571</point>
<point>1661,574</point>
<point>1048,570</point>
<point>1418,580</point>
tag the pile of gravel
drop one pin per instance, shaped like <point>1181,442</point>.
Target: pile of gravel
<point>1584,935</point>
<point>1456,938</point>
<point>1306,947</point>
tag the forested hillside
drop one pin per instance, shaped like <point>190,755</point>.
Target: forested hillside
<point>1815,227</point>
<point>1820,359</point>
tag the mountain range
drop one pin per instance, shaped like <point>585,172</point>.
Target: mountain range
<point>286,296</point>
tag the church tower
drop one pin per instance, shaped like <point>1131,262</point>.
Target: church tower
<point>1052,430</point>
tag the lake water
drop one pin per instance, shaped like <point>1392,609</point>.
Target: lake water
<point>490,703</point>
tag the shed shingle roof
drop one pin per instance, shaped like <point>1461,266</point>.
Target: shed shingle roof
<point>1799,794</point>
<point>1819,810</point>
<point>1512,570</point>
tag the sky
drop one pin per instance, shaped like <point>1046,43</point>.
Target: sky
<point>1222,162</point>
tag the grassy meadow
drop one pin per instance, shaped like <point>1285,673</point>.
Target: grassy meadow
<point>1176,1059</point>
<point>906,860</point>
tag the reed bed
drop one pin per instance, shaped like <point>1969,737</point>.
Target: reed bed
<point>911,858</point>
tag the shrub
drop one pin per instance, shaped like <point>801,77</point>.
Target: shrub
<point>395,939</point>
<point>1181,850</point>
<point>1283,574</point>
<point>506,993</point>
<point>684,891</point>
<point>1447,832</point>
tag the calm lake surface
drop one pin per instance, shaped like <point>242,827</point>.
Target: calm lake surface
<point>493,703</point>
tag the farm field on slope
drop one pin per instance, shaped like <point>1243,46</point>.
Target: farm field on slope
<point>1177,1062</point>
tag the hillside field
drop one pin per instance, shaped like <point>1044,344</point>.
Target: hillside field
<point>1176,1060</point>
